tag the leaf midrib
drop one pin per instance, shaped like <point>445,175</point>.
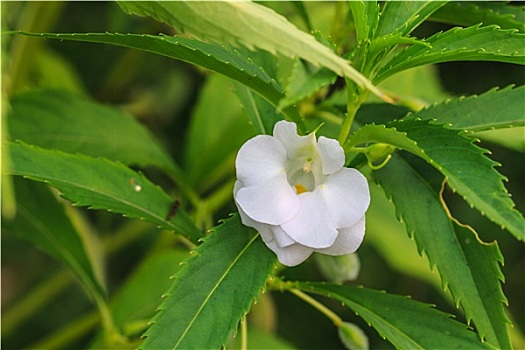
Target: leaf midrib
<point>118,199</point>
<point>222,277</point>
<point>367,310</point>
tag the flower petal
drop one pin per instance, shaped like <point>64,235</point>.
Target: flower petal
<point>264,229</point>
<point>332,155</point>
<point>311,226</point>
<point>291,255</point>
<point>271,202</point>
<point>260,159</point>
<point>296,146</point>
<point>283,240</point>
<point>348,240</point>
<point>346,195</point>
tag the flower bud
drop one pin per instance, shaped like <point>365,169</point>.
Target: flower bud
<point>378,151</point>
<point>338,269</point>
<point>353,337</point>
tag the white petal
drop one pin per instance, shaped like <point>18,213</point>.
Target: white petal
<point>264,229</point>
<point>296,146</point>
<point>283,240</point>
<point>348,240</point>
<point>291,255</point>
<point>311,226</point>
<point>332,155</point>
<point>272,202</point>
<point>347,196</point>
<point>260,159</point>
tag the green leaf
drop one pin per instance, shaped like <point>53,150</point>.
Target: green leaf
<point>100,184</point>
<point>468,13</point>
<point>493,109</point>
<point>404,16</point>
<point>259,339</point>
<point>213,291</point>
<point>57,119</point>
<point>467,169</point>
<point>216,113</point>
<point>416,88</point>
<point>510,138</point>
<point>41,220</point>
<point>391,40</point>
<point>460,44</point>
<point>142,292</point>
<point>366,16</point>
<point>261,114</point>
<point>419,206</point>
<point>399,252</point>
<point>249,24</point>
<point>303,83</point>
<point>487,274</point>
<point>208,55</point>
<point>394,317</point>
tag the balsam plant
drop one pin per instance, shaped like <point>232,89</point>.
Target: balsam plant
<point>160,191</point>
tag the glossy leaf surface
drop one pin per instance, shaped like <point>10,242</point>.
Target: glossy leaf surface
<point>418,205</point>
<point>460,44</point>
<point>100,184</point>
<point>213,291</point>
<point>56,119</point>
<point>467,169</point>
<point>494,109</point>
<point>393,317</point>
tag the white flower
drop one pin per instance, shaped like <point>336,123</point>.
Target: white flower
<point>295,191</point>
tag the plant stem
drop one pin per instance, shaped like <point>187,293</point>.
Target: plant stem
<point>323,309</point>
<point>356,97</point>
<point>244,334</point>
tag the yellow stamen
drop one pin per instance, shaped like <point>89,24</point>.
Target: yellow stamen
<point>300,189</point>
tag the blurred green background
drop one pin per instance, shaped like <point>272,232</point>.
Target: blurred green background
<point>163,94</point>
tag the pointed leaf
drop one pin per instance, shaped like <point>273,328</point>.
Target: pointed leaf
<point>41,220</point>
<point>493,109</point>
<point>391,40</point>
<point>99,184</point>
<point>213,291</point>
<point>249,24</point>
<point>419,206</point>
<point>404,16</point>
<point>460,44</point>
<point>487,275</point>
<point>467,169</point>
<point>366,16</point>
<point>303,83</point>
<point>394,316</point>
<point>208,55</point>
<point>215,114</point>
<point>56,119</point>
<point>142,292</point>
<point>468,13</point>
<point>261,114</point>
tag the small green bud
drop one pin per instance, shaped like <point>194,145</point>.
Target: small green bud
<point>340,268</point>
<point>378,151</point>
<point>353,337</point>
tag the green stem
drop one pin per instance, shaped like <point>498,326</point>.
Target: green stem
<point>277,283</point>
<point>244,334</point>
<point>323,309</point>
<point>356,97</point>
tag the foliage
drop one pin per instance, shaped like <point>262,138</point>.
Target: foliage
<point>147,126</point>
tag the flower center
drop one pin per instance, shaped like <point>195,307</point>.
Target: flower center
<point>303,179</point>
